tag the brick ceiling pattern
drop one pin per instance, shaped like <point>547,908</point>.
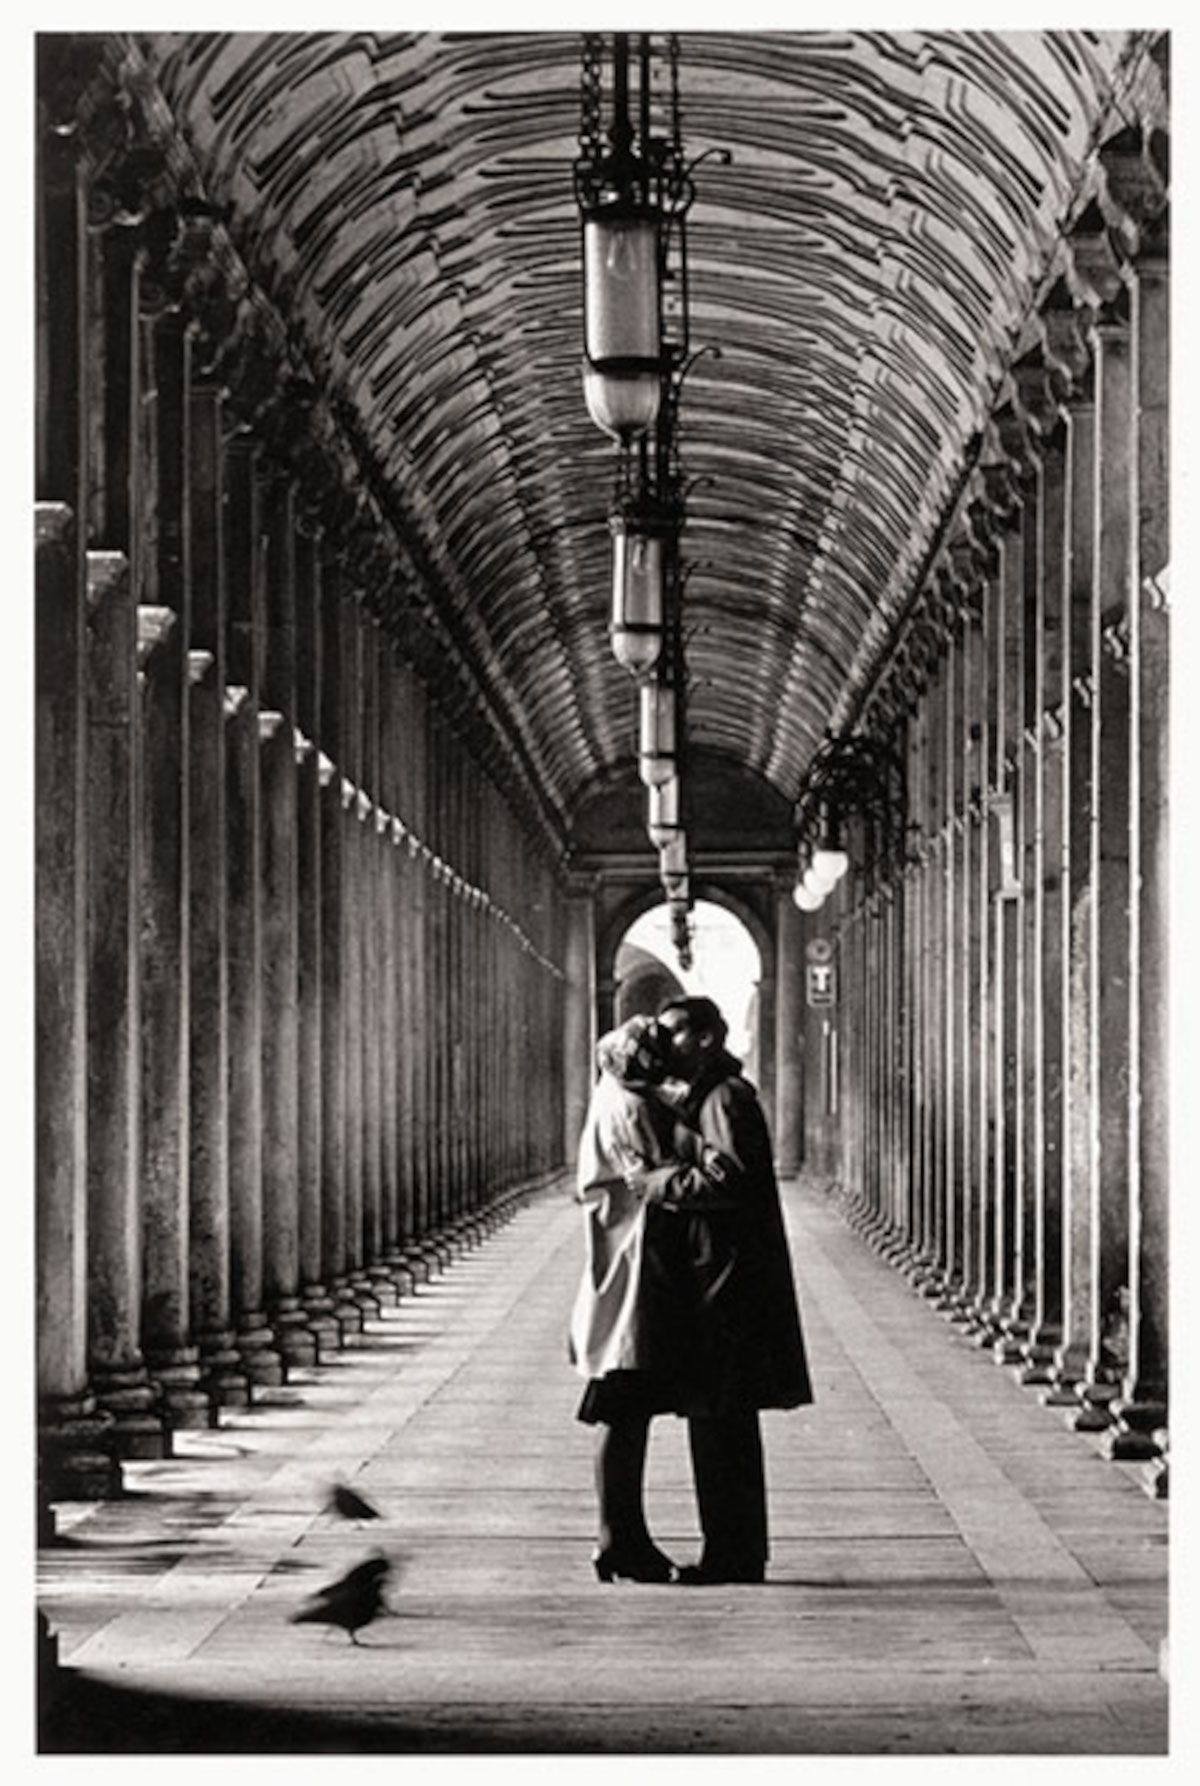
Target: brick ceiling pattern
<point>867,264</point>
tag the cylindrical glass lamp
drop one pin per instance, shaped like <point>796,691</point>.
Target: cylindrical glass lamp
<point>830,864</point>
<point>662,812</point>
<point>672,857</point>
<point>636,627</point>
<point>807,901</point>
<point>622,335</point>
<point>656,732</point>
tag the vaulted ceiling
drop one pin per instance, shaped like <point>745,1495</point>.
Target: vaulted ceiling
<point>866,263</point>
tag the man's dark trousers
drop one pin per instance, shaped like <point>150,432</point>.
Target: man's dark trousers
<point>731,1493</point>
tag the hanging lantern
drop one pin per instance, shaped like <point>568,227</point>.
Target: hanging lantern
<point>830,865</point>
<point>816,882</point>
<point>622,377</point>
<point>656,732</point>
<point>619,196</point>
<point>662,812</point>
<point>640,538</point>
<point>672,857</point>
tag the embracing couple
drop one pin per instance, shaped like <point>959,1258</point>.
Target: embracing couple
<point>687,1303</point>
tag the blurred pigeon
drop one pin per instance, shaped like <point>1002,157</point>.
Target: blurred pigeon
<point>350,1505</point>
<point>354,1600</point>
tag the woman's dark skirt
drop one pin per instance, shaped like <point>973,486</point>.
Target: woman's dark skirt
<point>627,1395</point>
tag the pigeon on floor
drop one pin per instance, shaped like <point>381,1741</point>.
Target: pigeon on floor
<point>354,1600</point>
<point>349,1504</point>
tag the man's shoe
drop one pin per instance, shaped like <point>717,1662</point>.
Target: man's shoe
<point>706,1575</point>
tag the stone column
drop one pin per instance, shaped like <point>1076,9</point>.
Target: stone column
<point>789,1034</point>
<point>333,924</point>
<point>74,1459</point>
<point>254,1338</point>
<point>1081,1289</point>
<point>119,1374</point>
<point>355,804</point>
<point>1111,963</point>
<point>223,1377</point>
<point>579,1015</point>
<point>279,919</point>
<point>1009,1140</point>
<point>1046,1337</point>
<point>1142,1407</point>
<point>170,1354</point>
<point>311,1019</point>
<point>280,1069</point>
<point>164,624</point>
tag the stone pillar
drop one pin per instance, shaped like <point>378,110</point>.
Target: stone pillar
<point>311,1022</point>
<point>254,1339</point>
<point>789,1032</point>
<point>279,918</point>
<point>222,1375</point>
<point>355,804</point>
<point>333,926</point>
<point>123,1387</point>
<point>1111,964</point>
<point>170,1354</point>
<point>1142,1407</point>
<point>1006,916</point>
<point>280,1071</point>
<point>1081,1289</point>
<point>74,1460</point>
<point>164,626</point>
<point>1046,1337</point>
<point>579,1029</point>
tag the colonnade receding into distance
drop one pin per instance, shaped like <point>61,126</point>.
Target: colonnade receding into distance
<point>315,995</point>
<point>998,1113</point>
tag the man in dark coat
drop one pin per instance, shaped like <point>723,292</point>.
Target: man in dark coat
<point>750,1349</point>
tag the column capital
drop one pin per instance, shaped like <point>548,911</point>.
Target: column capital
<point>154,626</point>
<point>1096,266</point>
<point>1135,165</point>
<point>1064,343</point>
<point>105,572</point>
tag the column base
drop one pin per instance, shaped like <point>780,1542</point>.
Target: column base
<point>363,1294</point>
<point>1141,1430</point>
<point>1041,1355</point>
<point>346,1312</point>
<point>74,1461</point>
<point>416,1263</point>
<point>176,1371</point>
<point>401,1273</point>
<point>293,1336</point>
<point>383,1286</point>
<point>321,1318</point>
<point>1095,1405</point>
<point>139,1428</point>
<point>1155,1479</point>
<point>255,1344</point>
<point>222,1374</point>
<point>1069,1371</point>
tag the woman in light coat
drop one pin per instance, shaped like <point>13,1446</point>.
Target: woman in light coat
<point>631,1331</point>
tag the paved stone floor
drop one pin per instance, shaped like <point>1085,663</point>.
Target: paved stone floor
<point>953,1571</point>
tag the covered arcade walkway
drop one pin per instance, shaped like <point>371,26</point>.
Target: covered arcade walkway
<point>953,1572</point>
<point>492,488</point>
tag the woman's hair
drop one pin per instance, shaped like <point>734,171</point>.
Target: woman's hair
<point>616,1052</point>
<point>702,1013</point>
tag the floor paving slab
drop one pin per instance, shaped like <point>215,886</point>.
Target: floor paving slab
<point>953,1571</point>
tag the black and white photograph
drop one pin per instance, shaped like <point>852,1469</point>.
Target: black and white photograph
<point>601,1002</point>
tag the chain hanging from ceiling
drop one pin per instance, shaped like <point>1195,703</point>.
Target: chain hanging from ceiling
<point>634,190</point>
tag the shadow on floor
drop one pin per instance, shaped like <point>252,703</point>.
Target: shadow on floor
<point>81,1716</point>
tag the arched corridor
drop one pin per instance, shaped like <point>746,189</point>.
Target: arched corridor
<point>952,1571</point>
<point>388,670</point>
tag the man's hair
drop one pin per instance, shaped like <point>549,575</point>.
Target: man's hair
<point>701,1013</point>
